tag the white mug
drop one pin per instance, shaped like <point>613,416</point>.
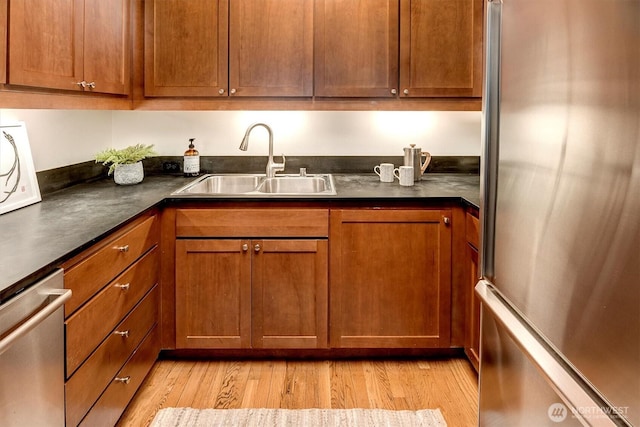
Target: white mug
<point>384,171</point>
<point>404,174</point>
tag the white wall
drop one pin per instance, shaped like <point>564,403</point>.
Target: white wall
<point>64,137</point>
<point>59,138</point>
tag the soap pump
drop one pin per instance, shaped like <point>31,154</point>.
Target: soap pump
<point>191,160</point>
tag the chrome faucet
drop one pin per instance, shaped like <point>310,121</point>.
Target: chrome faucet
<point>272,167</point>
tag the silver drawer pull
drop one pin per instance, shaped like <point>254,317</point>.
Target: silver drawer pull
<point>124,287</point>
<point>123,334</point>
<point>123,380</point>
<point>124,248</point>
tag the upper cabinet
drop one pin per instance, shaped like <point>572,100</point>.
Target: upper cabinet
<point>185,47</point>
<point>405,48</point>
<point>4,9</point>
<point>242,54</point>
<point>219,48</point>
<point>81,45</point>
<point>441,48</point>
<point>356,48</point>
<point>271,48</point>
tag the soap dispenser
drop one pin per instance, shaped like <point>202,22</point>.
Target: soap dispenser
<point>191,160</point>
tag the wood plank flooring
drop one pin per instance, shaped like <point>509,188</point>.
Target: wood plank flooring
<point>448,384</point>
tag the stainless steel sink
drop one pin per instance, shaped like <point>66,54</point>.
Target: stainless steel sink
<point>294,185</point>
<point>260,185</point>
<point>223,184</point>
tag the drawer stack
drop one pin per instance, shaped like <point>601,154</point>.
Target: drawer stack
<point>111,322</point>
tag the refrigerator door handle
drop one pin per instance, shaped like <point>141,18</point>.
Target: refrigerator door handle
<point>490,136</point>
<point>570,386</point>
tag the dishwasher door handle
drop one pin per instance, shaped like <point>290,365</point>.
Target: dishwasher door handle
<point>60,297</point>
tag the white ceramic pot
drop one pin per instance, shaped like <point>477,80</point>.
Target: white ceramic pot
<point>128,174</point>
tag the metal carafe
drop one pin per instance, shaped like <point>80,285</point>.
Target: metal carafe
<point>413,157</point>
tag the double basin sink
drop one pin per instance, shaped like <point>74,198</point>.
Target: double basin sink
<point>260,185</point>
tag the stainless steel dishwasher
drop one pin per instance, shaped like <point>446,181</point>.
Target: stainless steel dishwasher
<point>32,355</point>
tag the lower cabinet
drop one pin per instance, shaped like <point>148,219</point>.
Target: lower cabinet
<point>251,293</point>
<point>390,278</point>
<point>472,335</point>
<point>305,278</point>
<point>111,327</point>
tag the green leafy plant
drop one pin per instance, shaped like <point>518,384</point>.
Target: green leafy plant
<point>131,154</point>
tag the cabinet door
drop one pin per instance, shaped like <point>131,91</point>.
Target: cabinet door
<point>185,47</point>
<point>472,346</point>
<point>472,331</point>
<point>271,48</point>
<point>107,48</point>
<point>356,48</point>
<point>390,278</point>
<point>4,12</point>
<point>441,48</point>
<point>289,294</point>
<point>46,43</point>
<point>213,294</point>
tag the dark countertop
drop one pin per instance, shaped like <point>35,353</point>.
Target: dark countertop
<point>38,238</point>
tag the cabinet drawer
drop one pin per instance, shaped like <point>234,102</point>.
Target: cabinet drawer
<point>88,383</point>
<point>116,397</point>
<point>252,222</point>
<point>89,272</point>
<point>473,231</point>
<point>86,328</point>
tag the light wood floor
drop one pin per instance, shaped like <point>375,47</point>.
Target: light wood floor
<point>448,384</point>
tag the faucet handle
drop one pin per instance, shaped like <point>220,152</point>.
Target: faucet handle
<point>279,167</point>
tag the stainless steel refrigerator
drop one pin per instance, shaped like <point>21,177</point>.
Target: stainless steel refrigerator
<point>560,214</point>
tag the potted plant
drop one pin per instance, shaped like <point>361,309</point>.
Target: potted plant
<point>126,164</point>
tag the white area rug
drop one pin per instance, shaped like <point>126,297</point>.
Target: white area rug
<point>189,417</point>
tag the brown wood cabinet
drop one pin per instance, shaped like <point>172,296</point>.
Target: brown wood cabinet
<point>213,294</point>
<point>271,48</point>
<point>113,313</point>
<point>262,292</point>
<point>405,48</point>
<point>205,48</point>
<point>390,280</point>
<point>4,12</point>
<point>441,48</point>
<point>81,45</point>
<point>472,336</point>
<point>185,47</point>
<point>289,293</point>
<point>356,48</point>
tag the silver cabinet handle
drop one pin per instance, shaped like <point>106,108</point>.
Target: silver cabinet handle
<point>232,91</point>
<point>221,91</point>
<point>123,380</point>
<point>257,248</point>
<point>245,247</point>
<point>124,287</point>
<point>123,334</point>
<point>84,85</point>
<point>123,248</point>
<point>62,295</point>
<point>446,220</point>
<point>406,91</point>
<point>394,91</point>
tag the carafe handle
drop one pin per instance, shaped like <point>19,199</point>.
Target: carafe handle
<point>427,160</point>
